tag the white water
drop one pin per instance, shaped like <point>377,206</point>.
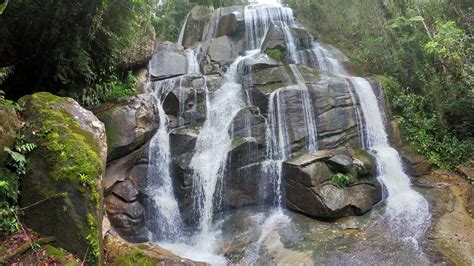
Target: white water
<point>213,143</point>
<point>193,65</point>
<point>311,131</point>
<point>407,211</point>
<point>278,143</point>
<point>164,219</point>
<point>259,17</point>
<point>183,30</point>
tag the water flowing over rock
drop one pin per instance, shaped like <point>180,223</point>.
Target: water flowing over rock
<point>253,112</point>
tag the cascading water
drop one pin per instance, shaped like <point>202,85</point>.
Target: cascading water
<point>311,131</point>
<point>163,217</point>
<point>406,208</point>
<point>213,143</point>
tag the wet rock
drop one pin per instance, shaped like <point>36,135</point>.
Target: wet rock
<point>245,186</point>
<point>341,163</point>
<point>335,113</point>
<point>260,62</point>
<point>160,68</point>
<point>124,181</point>
<point>8,129</point>
<point>274,39</point>
<point>249,123</point>
<point>66,168</point>
<point>126,190</point>
<point>231,24</point>
<point>310,190</point>
<point>416,164</point>
<point>183,139</point>
<point>121,252</point>
<point>223,51</point>
<point>129,123</point>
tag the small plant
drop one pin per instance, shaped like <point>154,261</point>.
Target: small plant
<point>18,155</point>
<point>276,54</point>
<point>342,180</point>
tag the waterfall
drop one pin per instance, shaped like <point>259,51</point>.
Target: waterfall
<point>277,142</point>
<point>308,112</point>
<point>259,17</point>
<point>183,30</point>
<point>407,210</point>
<point>193,65</point>
<point>163,217</point>
<point>213,144</point>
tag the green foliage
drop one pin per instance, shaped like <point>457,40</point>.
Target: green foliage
<point>9,184</point>
<point>276,54</point>
<point>18,159</point>
<point>55,252</point>
<point>421,130</point>
<point>343,180</point>
<point>71,44</point>
<point>105,91</point>
<point>3,6</point>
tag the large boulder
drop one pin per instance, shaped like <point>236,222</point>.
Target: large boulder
<point>62,189</point>
<point>223,50</point>
<point>8,129</point>
<point>312,186</point>
<point>160,67</point>
<point>129,123</point>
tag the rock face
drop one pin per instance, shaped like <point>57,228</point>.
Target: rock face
<point>197,21</point>
<point>64,175</point>
<point>8,130</point>
<point>160,68</point>
<point>129,123</point>
<point>312,189</point>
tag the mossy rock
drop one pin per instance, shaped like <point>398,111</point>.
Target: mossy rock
<point>120,252</point>
<point>63,184</point>
<point>8,129</point>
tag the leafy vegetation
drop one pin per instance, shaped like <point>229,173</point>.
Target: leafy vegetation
<point>71,44</point>
<point>276,54</point>
<point>9,184</point>
<point>343,180</point>
<point>424,50</point>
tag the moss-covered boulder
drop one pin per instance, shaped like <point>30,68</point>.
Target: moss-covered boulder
<point>9,127</point>
<point>62,191</point>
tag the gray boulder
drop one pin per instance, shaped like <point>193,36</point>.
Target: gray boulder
<point>129,123</point>
<point>310,189</point>
<point>160,67</point>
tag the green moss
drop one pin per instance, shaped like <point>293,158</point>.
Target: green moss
<point>276,54</point>
<point>55,252</point>
<point>143,246</point>
<point>70,152</point>
<point>136,257</point>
